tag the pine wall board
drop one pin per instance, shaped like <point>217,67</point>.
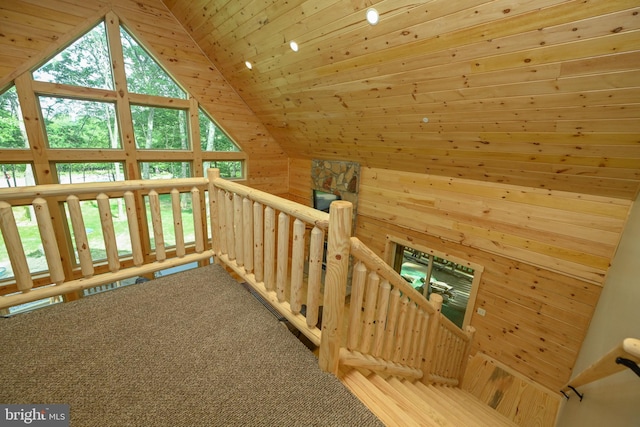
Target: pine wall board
<point>545,255</point>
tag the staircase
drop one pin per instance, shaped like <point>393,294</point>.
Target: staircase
<point>403,403</point>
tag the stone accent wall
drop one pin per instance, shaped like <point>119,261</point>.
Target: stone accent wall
<point>337,177</point>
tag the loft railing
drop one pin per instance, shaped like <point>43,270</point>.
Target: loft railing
<point>301,260</point>
<point>52,204</point>
<point>263,238</point>
<point>624,355</point>
<point>390,326</point>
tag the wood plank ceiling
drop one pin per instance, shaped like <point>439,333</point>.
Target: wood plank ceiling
<point>539,93</point>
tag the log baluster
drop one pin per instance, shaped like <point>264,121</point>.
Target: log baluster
<point>381,317</point>
<point>357,295</point>
<point>14,248</point>
<point>238,231</point>
<point>247,234</point>
<point>80,236</point>
<point>230,226</point>
<point>108,233</point>
<point>401,329</point>
<point>409,333</point>
<point>134,229</point>
<point>269,248</point>
<point>432,336</point>
<point>176,210</point>
<point>316,251</point>
<point>212,175</point>
<point>222,221</point>
<point>258,239</point>
<point>392,320</point>
<point>418,351</point>
<point>48,239</point>
<point>297,265</point>
<point>283,255</point>
<point>373,283</point>
<point>197,220</point>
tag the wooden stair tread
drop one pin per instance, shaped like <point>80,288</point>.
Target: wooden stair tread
<point>410,402</point>
<point>444,410</point>
<point>474,405</point>
<point>456,412</point>
<point>510,393</point>
<point>377,401</point>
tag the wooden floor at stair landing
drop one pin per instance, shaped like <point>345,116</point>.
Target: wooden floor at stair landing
<point>491,395</point>
<point>514,396</point>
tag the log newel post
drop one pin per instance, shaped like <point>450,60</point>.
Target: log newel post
<point>335,286</point>
<point>432,337</point>
<point>470,331</point>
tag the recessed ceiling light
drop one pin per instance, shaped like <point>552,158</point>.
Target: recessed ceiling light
<point>248,64</point>
<point>294,46</point>
<point>372,16</point>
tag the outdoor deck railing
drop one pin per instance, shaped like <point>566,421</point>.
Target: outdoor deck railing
<point>304,262</point>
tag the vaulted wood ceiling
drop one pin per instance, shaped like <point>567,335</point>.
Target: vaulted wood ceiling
<point>537,93</point>
<point>543,94</point>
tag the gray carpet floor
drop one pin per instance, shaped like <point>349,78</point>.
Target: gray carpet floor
<point>192,349</point>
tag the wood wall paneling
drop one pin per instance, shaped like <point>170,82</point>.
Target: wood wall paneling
<point>537,314</point>
<point>300,181</point>
<point>536,332</point>
<point>537,94</point>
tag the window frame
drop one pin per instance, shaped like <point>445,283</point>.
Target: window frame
<point>389,256</point>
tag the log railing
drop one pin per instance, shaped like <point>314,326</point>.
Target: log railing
<point>49,200</point>
<point>275,245</point>
<point>300,260</point>
<point>390,327</point>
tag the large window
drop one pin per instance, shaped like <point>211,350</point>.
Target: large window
<point>74,123</point>
<point>430,271</point>
<point>75,93</point>
<point>108,112</point>
<point>160,128</point>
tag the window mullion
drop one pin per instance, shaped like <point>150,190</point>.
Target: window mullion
<point>194,136</point>
<point>34,127</point>
<point>123,108</point>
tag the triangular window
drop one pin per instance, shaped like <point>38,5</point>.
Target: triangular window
<point>144,75</point>
<point>212,138</point>
<point>84,63</point>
